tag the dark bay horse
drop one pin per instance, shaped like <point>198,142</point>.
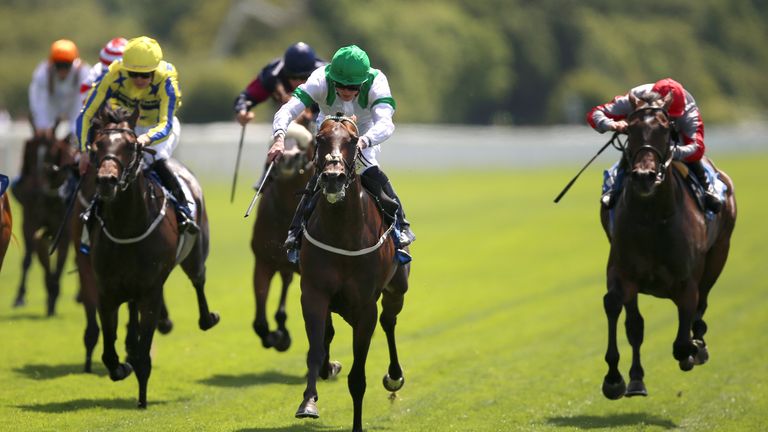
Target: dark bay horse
<point>278,204</point>
<point>134,239</point>
<point>45,170</point>
<point>6,221</point>
<point>88,294</point>
<point>661,245</point>
<point>347,262</point>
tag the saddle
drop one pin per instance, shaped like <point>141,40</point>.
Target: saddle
<point>695,187</point>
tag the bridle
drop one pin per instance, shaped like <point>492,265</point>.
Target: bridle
<point>336,157</point>
<point>666,157</point>
<point>127,174</point>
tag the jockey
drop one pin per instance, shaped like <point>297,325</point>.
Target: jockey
<point>278,80</point>
<point>112,51</point>
<point>143,81</point>
<point>687,123</point>
<point>55,86</point>
<point>350,86</point>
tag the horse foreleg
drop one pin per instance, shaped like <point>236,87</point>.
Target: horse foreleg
<point>149,313</point>
<point>89,297</point>
<point>132,348</point>
<point>683,349</point>
<point>280,338</point>
<point>108,315</point>
<point>391,305</point>
<point>330,368</point>
<point>614,386</point>
<point>29,247</point>
<point>361,342</point>
<point>314,309</point>
<point>194,267</point>
<point>635,328</point>
<point>262,275</point>
<point>164,324</point>
<point>53,277</point>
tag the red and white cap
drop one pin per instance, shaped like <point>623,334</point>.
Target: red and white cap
<point>112,51</point>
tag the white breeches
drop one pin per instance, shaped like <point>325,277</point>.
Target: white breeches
<point>163,148</point>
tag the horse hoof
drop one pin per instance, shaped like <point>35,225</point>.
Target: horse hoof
<point>213,319</point>
<point>19,302</point>
<point>280,340</point>
<point>164,326</point>
<point>636,388</point>
<point>142,405</point>
<point>393,385</point>
<point>335,369</point>
<point>702,355</point>
<point>308,409</point>
<point>121,372</point>
<point>687,364</point>
<point>614,391</point>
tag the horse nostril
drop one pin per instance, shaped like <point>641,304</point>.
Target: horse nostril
<point>107,180</point>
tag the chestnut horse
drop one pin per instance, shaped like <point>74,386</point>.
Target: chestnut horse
<point>347,262</point>
<point>134,238</point>
<point>662,244</point>
<point>41,192</point>
<point>6,219</point>
<point>278,204</point>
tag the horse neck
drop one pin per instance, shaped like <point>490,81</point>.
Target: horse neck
<point>662,204</point>
<point>130,212</point>
<point>345,221</point>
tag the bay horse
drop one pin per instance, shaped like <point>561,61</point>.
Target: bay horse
<point>41,193</point>
<point>134,239</point>
<point>661,244</point>
<point>347,263</point>
<point>277,206</point>
<point>6,219</point>
<point>88,293</point>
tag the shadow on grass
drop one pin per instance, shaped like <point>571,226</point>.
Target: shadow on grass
<point>250,379</point>
<point>45,372</point>
<point>26,316</point>
<point>85,404</point>
<point>614,420</point>
<point>307,425</point>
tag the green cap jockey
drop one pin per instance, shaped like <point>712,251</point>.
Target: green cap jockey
<point>350,66</point>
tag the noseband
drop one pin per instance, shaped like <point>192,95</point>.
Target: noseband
<point>630,157</point>
<point>127,175</point>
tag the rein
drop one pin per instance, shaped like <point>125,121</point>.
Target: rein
<point>159,218</point>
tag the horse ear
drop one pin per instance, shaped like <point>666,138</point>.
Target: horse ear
<point>134,118</point>
<point>667,100</point>
<point>633,100</point>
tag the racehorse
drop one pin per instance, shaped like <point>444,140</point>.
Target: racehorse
<point>662,244</point>
<point>134,238</point>
<point>44,174</point>
<point>347,262</point>
<point>278,203</point>
<point>88,294</point>
<point>6,221</point>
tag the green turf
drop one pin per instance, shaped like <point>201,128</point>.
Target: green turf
<point>503,329</point>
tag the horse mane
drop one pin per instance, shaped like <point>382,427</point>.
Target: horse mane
<point>109,115</point>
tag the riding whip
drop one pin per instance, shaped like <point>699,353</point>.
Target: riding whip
<point>258,191</point>
<point>237,164</point>
<point>570,183</point>
<point>70,206</point>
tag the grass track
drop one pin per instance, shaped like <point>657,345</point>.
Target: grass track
<point>503,329</point>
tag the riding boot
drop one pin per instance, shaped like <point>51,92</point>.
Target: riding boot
<point>306,203</point>
<point>712,199</point>
<point>183,214</point>
<point>612,188</point>
<point>406,236</point>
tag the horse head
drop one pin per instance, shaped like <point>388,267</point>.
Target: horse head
<point>298,154</point>
<point>58,162</point>
<point>336,155</point>
<point>648,151</point>
<point>115,150</point>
